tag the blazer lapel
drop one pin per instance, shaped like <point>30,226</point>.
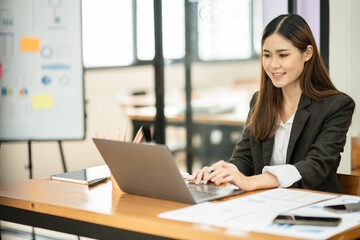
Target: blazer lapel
<point>267,148</point>
<point>299,122</point>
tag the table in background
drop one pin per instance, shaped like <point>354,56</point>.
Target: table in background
<point>227,121</point>
<point>228,125</point>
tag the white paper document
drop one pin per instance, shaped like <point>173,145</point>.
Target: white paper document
<point>256,213</point>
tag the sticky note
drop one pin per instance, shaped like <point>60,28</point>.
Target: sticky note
<point>29,44</point>
<point>42,101</point>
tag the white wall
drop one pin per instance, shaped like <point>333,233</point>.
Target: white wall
<point>344,61</point>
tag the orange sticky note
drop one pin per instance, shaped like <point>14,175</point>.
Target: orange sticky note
<point>29,44</point>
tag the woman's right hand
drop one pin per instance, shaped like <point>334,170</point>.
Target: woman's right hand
<point>218,173</point>
<point>200,175</point>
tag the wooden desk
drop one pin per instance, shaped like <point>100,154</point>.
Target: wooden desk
<point>106,214</point>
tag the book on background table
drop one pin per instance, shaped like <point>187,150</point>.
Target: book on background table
<point>84,176</point>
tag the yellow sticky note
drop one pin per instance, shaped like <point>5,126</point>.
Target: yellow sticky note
<point>29,44</point>
<point>44,101</point>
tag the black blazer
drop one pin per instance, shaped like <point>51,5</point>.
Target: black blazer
<point>317,138</point>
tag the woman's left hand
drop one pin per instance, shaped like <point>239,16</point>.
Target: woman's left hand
<point>222,172</point>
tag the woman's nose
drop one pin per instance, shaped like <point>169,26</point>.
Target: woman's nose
<point>275,62</point>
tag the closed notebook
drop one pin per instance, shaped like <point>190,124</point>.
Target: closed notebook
<point>84,176</point>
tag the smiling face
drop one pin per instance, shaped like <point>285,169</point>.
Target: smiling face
<point>283,62</point>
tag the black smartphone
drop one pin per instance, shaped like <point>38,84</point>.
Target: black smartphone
<point>343,208</point>
<point>307,220</point>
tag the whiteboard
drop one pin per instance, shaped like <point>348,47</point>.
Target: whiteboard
<point>41,70</point>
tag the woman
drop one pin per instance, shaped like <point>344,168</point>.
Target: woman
<point>298,120</point>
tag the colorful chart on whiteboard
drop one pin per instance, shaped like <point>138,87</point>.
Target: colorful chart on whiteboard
<point>41,70</point>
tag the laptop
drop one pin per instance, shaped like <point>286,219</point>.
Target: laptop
<point>149,170</point>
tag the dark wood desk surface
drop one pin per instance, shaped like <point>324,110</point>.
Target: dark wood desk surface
<point>103,213</point>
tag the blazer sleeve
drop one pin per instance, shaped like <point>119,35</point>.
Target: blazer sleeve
<point>323,156</point>
<point>241,156</point>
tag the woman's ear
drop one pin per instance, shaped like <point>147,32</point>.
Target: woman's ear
<point>308,52</point>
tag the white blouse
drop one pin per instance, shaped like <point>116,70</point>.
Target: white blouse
<point>285,173</point>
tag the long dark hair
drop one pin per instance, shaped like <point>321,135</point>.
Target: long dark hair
<point>314,80</point>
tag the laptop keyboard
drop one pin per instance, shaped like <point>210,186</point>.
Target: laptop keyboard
<point>204,191</point>
<point>202,188</point>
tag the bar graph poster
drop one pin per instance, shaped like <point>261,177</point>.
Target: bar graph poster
<point>41,70</point>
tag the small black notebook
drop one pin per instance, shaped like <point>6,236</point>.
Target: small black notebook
<point>84,176</point>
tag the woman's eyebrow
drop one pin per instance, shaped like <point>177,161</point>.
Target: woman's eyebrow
<point>278,50</point>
